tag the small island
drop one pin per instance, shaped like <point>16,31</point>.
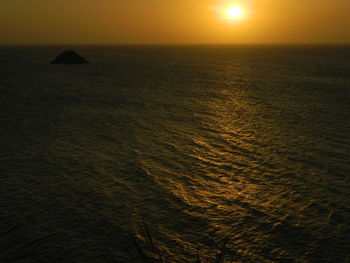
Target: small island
<point>69,57</point>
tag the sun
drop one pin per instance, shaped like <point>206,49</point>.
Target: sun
<point>234,12</point>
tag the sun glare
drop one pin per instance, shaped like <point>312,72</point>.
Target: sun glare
<point>234,12</point>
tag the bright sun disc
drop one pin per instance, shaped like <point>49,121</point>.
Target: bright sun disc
<point>234,12</point>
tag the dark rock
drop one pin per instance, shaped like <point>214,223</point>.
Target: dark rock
<point>69,57</point>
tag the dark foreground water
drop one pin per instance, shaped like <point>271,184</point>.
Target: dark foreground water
<point>204,142</point>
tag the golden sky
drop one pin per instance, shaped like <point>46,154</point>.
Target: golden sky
<point>172,21</point>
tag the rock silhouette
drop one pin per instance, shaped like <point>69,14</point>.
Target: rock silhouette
<point>69,57</point>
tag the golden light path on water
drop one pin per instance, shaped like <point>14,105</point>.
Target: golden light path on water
<point>221,177</point>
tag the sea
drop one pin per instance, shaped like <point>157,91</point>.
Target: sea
<point>175,153</point>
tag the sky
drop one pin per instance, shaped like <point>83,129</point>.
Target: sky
<point>173,22</point>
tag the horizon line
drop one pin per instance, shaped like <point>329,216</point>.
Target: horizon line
<point>182,44</point>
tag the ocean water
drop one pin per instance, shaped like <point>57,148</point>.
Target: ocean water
<point>249,143</point>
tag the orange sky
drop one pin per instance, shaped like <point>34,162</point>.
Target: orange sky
<point>171,21</point>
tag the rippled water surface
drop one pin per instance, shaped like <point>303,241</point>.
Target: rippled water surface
<point>204,142</point>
